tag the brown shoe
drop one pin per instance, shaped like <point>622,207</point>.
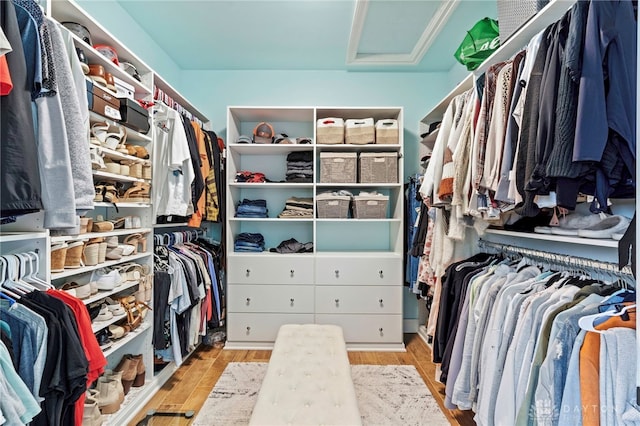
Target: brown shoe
<point>129,367</point>
<point>140,372</point>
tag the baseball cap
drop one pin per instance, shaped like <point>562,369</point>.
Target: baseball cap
<point>263,133</point>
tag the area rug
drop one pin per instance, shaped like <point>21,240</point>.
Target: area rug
<point>387,395</point>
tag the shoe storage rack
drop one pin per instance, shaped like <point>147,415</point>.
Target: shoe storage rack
<point>117,235</point>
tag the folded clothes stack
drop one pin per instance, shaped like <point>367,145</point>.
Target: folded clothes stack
<point>300,167</point>
<point>292,246</point>
<point>250,177</point>
<point>601,226</point>
<point>250,242</point>
<point>252,208</point>
<point>297,207</point>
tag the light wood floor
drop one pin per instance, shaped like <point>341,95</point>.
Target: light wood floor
<point>191,384</point>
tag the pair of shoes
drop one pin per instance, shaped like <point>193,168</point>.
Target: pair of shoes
<point>106,280</point>
<point>58,256</point>
<point>103,78</point>
<point>133,371</point>
<point>81,291</point>
<point>110,394</point>
<point>108,136</point>
<point>73,259</point>
<point>102,337</point>
<point>139,192</point>
<point>137,240</point>
<point>84,63</point>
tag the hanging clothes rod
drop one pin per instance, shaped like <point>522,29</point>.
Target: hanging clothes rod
<point>565,260</point>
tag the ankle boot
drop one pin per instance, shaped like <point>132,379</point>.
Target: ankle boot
<point>91,415</point>
<point>140,371</point>
<point>108,397</point>
<point>117,376</point>
<point>129,368</point>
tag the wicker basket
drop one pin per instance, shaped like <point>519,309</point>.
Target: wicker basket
<point>359,131</point>
<point>330,130</point>
<point>378,167</point>
<point>332,206</point>
<point>512,14</point>
<point>387,132</point>
<point>338,167</point>
<point>370,206</point>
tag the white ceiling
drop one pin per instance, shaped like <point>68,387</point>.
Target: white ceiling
<point>372,35</point>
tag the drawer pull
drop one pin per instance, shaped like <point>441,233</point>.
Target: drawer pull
<point>292,273</point>
<point>337,303</point>
<point>381,303</point>
<point>337,273</point>
<point>292,300</point>
<point>249,330</point>
<point>248,301</point>
<point>381,273</point>
<point>381,330</point>
<point>248,272</point>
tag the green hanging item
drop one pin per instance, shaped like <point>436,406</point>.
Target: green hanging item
<point>479,43</point>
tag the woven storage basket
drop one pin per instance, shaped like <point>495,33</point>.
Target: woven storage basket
<point>370,206</point>
<point>330,130</point>
<point>359,131</point>
<point>378,167</point>
<point>387,132</point>
<point>512,14</point>
<point>338,167</point>
<point>332,206</point>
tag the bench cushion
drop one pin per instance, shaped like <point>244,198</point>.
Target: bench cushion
<point>308,381</point>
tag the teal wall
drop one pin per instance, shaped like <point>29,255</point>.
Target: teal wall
<point>212,91</point>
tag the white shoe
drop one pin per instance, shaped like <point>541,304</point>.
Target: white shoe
<point>606,228</point>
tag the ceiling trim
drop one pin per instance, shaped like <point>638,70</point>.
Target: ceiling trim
<point>429,35</point>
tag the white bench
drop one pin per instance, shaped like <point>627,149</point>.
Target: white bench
<point>308,380</point>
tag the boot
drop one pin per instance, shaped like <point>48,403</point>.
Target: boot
<point>91,415</point>
<point>129,368</point>
<point>109,398</point>
<point>117,376</point>
<point>140,371</point>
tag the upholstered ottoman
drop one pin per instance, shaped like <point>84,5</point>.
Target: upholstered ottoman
<point>308,381</point>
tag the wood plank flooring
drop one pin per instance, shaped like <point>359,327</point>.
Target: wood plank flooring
<point>189,387</point>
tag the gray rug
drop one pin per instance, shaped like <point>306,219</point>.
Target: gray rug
<point>387,395</point>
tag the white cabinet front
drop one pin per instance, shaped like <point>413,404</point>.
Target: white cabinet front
<point>366,328</point>
<point>382,270</point>
<point>261,327</point>
<point>359,299</point>
<point>270,298</point>
<point>265,269</point>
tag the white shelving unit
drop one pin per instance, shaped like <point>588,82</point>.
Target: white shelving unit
<point>352,278</point>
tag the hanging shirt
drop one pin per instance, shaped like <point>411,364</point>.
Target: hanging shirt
<point>174,172</point>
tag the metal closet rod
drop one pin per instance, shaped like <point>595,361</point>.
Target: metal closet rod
<point>557,258</point>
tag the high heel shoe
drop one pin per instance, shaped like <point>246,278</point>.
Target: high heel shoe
<point>129,368</point>
<point>137,240</point>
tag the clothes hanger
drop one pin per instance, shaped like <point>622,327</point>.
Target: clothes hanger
<point>34,268</point>
<point>8,283</point>
<point>586,322</point>
<point>20,272</point>
<point>6,294</point>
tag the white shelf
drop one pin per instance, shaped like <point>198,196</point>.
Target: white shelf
<point>355,220</point>
<point>100,325</point>
<point>272,114</point>
<point>274,185</point>
<point>104,294</point>
<point>119,156</point>
<point>117,344</point>
<point>358,148</point>
<point>358,185</point>
<point>265,253</point>
<point>132,135</point>
<point>121,204</point>
<point>6,237</point>
<point>268,149</point>
<point>556,238</point>
<point>163,85</point>
<point>271,219</point>
<point>551,13</point>
<point>358,254</point>
<point>77,271</point>
<point>116,177</point>
<point>89,235</point>
<point>171,225</point>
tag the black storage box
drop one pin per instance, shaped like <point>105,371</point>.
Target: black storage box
<point>134,116</point>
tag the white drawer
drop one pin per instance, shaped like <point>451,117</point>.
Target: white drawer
<point>261,327</point>
<point>359,299</point>
<point>265,269</point>
<point>270,298</point>
<point>370,270</point>
<point>366,328</point>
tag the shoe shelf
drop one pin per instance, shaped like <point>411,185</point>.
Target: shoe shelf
<point>117,344</point>
<point>95,57</point>
<point>117,232</point>
<point>121,204</point>
<point>103,294</point>
<point>77,271</point>
<point>557,238</point>
<point>132,135</point>
<point>116,177</point>
<point>99,325</point>
<point>271,219</point>
<point>115,155</point>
